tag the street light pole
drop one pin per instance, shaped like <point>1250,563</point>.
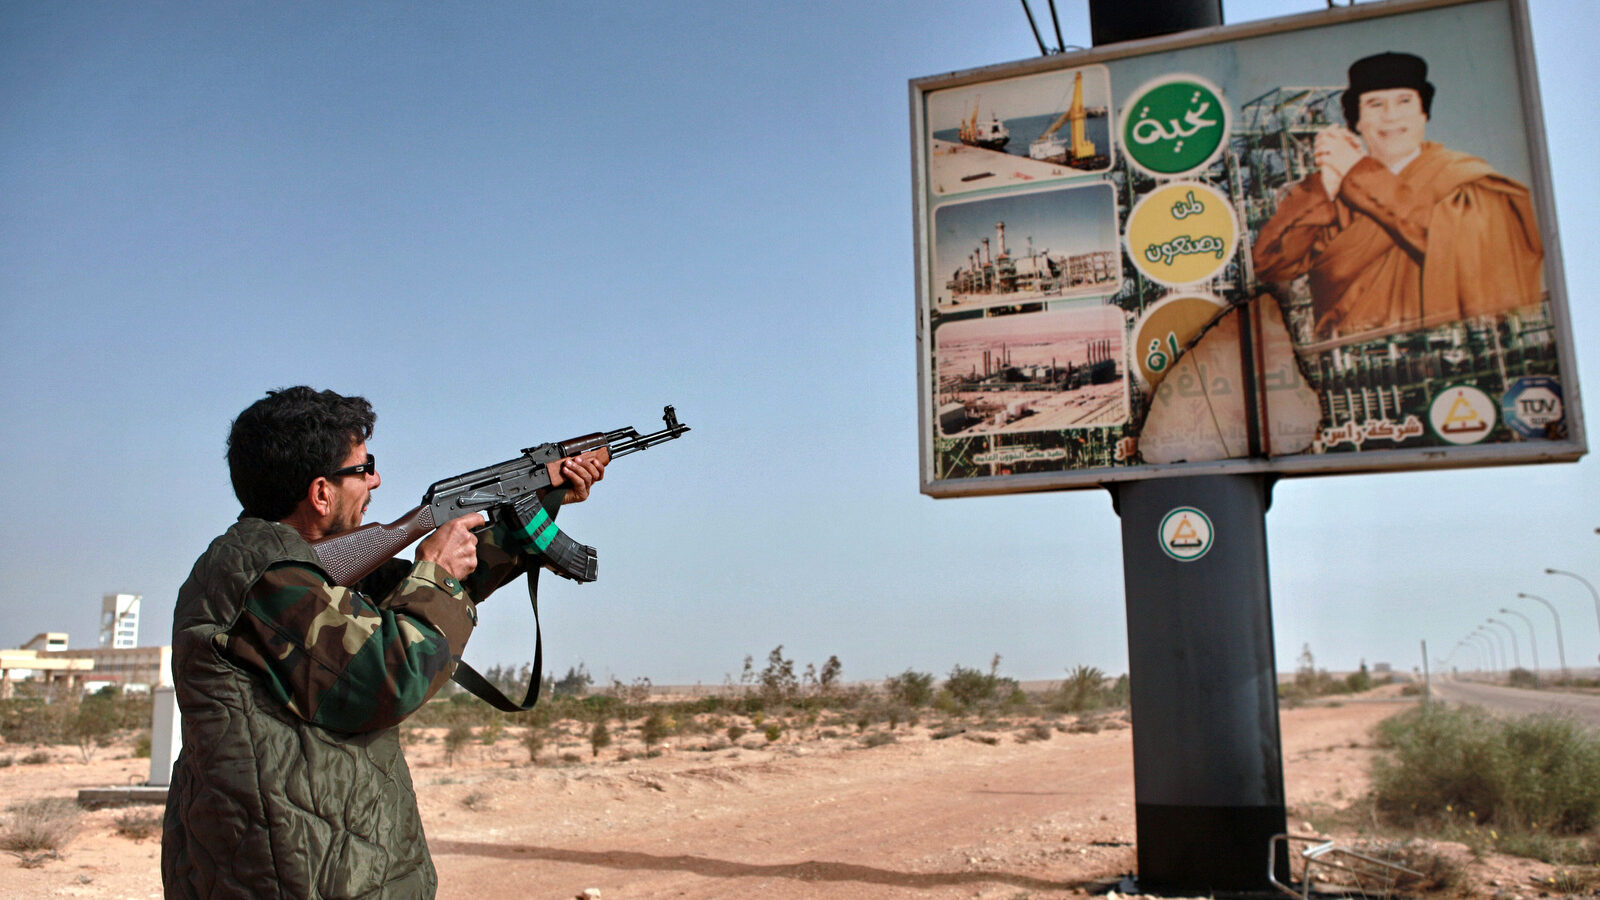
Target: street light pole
<point>1516,658</point>
<point>1494,661</point>
<point>1561,649</point>
<point>1533,641</point>
<point>1592,592</point>
<point>1500,649</point>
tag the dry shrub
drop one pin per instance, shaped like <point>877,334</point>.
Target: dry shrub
<point>1038,731</point>
<point>1440,875</point>
<point>1579,882</point>
<point>454,740</point>
<point>533,741</point>
<point>138,824</point>
<point>1539,774</point>
<point>40,826</point>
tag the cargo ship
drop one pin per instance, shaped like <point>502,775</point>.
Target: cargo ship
<point>990,135</point>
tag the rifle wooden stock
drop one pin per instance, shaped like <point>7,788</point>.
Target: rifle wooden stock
<point>353,555</point>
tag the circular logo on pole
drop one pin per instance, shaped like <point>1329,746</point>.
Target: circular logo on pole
<point>1462,414</point>
<point>1182,233</point>
<point>1174,125</point>
<point>1185,534</point>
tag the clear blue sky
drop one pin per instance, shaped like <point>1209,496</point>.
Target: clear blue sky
<point>508,223</point>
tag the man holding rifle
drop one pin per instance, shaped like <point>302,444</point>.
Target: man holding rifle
<point>292,782</point>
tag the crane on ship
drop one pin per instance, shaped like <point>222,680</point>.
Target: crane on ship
<point>1076,149</point>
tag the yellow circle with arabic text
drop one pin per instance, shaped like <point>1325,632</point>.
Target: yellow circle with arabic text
<point>1182,233</point>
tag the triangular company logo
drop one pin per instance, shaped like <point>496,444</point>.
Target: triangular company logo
<point>1185,535</point>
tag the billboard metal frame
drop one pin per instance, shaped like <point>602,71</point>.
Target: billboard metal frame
<point>1569,448</point>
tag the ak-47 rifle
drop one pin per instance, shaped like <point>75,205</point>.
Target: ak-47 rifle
<point>522,493</point>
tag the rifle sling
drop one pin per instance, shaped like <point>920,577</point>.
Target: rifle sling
<point>468,677</point>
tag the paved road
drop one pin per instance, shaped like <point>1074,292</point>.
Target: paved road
<point>1519,702</point>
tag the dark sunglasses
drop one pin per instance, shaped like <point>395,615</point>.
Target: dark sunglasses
<point>366,468</point>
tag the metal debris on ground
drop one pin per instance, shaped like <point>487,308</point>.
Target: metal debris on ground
<point>1327,869</point>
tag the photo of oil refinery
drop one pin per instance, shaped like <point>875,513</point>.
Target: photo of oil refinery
<point>1069,248</point>
<point>1048,371</point>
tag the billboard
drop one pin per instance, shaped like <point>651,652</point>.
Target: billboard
<point>1312,245</point>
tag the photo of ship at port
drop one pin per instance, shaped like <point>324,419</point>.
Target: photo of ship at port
<point>1069,248</point>
<point>1046,371</point>
<point>1055,125</point>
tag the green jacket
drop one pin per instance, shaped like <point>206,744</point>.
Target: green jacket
<point>263,802</point>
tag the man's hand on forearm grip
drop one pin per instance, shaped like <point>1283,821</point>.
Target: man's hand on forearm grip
<point>578,474</point>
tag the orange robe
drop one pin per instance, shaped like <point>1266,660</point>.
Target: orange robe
<point>1446,239</point>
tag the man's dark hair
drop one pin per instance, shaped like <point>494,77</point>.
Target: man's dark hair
<point>1385,71</point>
<point>287,439</point>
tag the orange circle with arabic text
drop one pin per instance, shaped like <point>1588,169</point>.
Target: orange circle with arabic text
<point>1167,328</point>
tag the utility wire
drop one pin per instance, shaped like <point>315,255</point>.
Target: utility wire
<point>1031,24</point>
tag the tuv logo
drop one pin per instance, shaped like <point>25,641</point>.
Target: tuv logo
<point>1532,406</point>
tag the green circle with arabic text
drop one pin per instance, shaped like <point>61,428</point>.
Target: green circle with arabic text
<point>1174,125</point>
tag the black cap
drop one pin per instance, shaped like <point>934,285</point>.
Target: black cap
<point>1382,72</point>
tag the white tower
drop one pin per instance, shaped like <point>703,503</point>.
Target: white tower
<point>119,621</point>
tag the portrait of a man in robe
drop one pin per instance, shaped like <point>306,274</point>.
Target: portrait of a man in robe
<point>1396,232</point>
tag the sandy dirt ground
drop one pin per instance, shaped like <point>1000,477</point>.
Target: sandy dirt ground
<point>1007,810</point>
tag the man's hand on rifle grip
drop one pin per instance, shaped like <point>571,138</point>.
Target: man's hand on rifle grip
<point>453,546</point>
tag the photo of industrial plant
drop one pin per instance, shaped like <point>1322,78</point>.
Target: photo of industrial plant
<point>1046,371</point>
<point>1056,125</point>
<point>1023,248</point>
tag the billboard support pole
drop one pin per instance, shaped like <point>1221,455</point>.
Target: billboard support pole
<point>1207,752</point>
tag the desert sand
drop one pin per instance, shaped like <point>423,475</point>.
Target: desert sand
<point>1004,809</point>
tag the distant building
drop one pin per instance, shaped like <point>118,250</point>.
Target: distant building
<point>132,668</point>
<point>119,660</point>
<point>119,621</point>
<point>49,641</point>
<point>44,659</point>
